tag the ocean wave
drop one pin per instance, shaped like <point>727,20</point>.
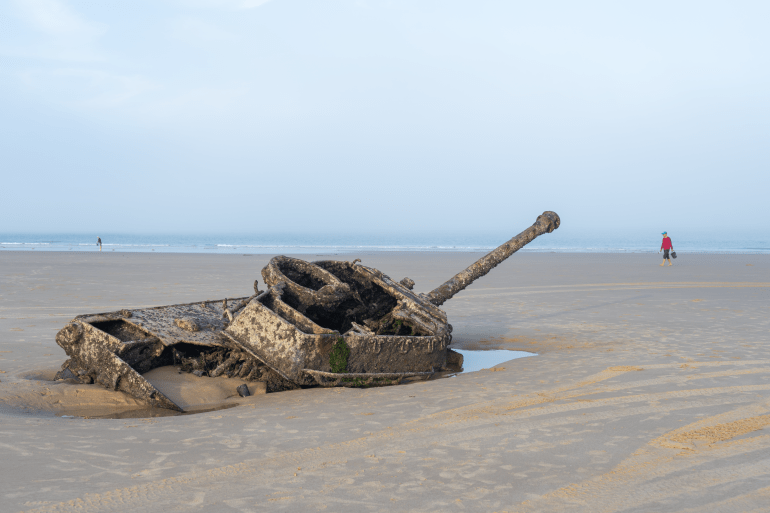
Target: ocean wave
<point>140,245</point>
<point>302,244</point>
<point>359,247</point>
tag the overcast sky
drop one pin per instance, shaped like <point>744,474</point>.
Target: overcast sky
<point>399,115</point>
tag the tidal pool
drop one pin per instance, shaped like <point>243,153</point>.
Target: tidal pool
<point>477,360</point>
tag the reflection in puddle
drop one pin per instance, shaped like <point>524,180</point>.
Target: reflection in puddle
<point>477,360</point>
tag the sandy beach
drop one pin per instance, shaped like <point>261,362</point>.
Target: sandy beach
<point>650,391</point>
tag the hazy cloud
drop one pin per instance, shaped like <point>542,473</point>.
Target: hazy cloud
<point>222,4</point>
<point>195,31</point>
<point>64,35</point>
<point>250,4</point>
<point>55,18</point>
<point>467,113</point>
<point>84,89</point>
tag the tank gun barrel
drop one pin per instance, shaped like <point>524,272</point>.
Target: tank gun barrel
<point>546,223</point>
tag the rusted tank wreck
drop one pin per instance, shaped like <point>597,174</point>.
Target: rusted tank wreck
<point>323,323</point>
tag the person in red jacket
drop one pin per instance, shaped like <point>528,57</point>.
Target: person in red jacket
<point>666,246</point>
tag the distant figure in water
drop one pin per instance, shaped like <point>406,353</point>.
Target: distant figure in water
<point>99,243</point>
<point>666,246</point>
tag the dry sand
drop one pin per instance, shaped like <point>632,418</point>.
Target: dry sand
<point>650,392</point>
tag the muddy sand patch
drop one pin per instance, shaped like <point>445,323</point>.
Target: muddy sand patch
<point>38,394</point>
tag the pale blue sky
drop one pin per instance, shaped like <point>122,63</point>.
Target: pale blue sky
<point>297,115</point>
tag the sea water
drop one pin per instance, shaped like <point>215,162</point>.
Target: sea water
<point>561,241</point>
<point>476,360</point>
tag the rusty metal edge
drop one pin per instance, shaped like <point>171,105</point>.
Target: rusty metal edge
<point>139,380</point>
<point>332,379</point>
<point>118,314</point>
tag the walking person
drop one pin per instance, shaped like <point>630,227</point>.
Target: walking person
<point>666,246</point>
<point>99,242</point>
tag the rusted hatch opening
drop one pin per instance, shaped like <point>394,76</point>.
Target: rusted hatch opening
<point>143,357</point>
<point>368,304</point>
<point>397,327</point>
<point>121,330</point>
<point>304,279</point>
<point>269,301</point>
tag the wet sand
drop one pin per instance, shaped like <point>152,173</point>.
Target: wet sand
<point>650,392</point>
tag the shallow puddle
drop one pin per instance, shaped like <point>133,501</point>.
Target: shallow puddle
<point>477,360</point>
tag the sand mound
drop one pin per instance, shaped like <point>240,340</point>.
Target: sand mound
<point>193,393</point>
<point>69,397</point>
<point>722,432</point>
